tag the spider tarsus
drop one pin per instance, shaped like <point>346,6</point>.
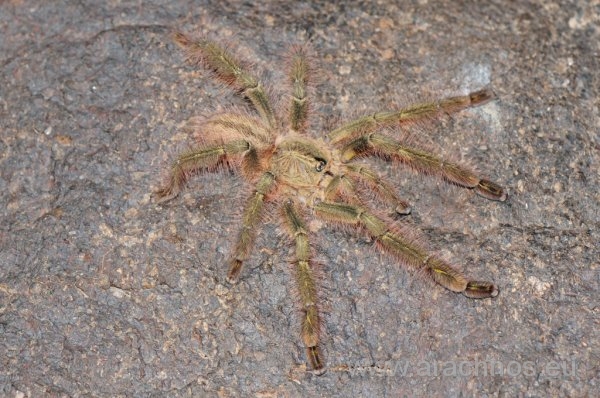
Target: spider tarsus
<point>480,289</point>
<point>164,195</point>
<point>403,209</point>
<point>316,360</point>
<point>181,39</point>
<point>233,275</point>
<point>491,190</point>
<point>482,96</point>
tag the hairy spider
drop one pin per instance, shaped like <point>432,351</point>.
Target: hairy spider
<point>309,176</point>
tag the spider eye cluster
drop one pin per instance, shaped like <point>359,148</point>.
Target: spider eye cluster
<point>320,165</point>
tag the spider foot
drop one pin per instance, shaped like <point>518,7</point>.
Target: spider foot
<point>480,289</point>
<point>403,209</point>
<point>481,96</point>
<point>233,275</point>
<point>491,190</point>
<point>316,361</point>
<point>164,195</point>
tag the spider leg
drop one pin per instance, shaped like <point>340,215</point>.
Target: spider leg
<point>201,158</point>
<point>379,187</point>
<point>228,126</point>
<point>405,250</point>
<point>411,114</point>
<point>343,186</point>
<point>298,77</point>
<point>307,289</point>
<point>250,220</point>
<point>229,70</point>
<point>381,145</point>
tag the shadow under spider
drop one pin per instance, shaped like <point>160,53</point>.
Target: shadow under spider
<point>308,176</point>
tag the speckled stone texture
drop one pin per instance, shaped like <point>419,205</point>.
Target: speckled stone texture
<point>105,293</point>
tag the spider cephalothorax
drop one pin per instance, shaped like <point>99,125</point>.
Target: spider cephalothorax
<point>309,176</point>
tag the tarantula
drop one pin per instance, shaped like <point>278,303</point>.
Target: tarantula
<point>318,176</point>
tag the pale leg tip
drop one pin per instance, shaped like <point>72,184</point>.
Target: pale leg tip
<point>235,267</point>
<point>491,190</point>
<point>319,372</point>
<point>478,289</point>
<point>482,96</point>
<point>403,210</point>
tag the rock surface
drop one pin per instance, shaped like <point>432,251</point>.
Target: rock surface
<point>105,293</point>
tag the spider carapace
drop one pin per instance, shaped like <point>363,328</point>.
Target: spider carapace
<point>307,174</point>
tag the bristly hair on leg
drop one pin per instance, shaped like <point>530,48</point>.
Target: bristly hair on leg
<point>229,70</point>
